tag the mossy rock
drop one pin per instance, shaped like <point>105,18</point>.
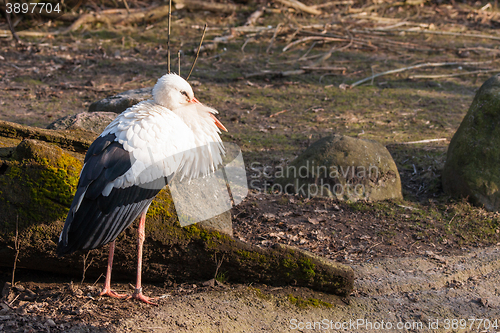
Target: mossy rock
<point>344,168</point>
<point>38,180</point>
<point>37,184</point>
<point>472,166</point>
<point>74,140</point>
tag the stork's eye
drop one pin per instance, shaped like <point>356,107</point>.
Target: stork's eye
<point>185,94</point>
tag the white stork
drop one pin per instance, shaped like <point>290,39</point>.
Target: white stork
<point>129,163</point>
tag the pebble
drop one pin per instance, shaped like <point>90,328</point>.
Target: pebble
<point>50,323</point>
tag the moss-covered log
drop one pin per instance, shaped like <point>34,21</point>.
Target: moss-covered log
<point>37,183</point>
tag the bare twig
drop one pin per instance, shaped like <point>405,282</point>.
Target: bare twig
<point>421,141</point>
<point>100,276</point>
<point>329,53</point>
<point>197,52</point>
<point>179,61</point>
<point>276,31</point>
<point>324,69</point>
<point>427,64</point>
<point>303,57</point>
<point>305,39</point>
<point>252,19</point>
<point>276,73</point>
<point>126,6</point>
<point>11,27</point>
<point>277,113</point>
<point>334,3</point>
<point>431,32</point>
<point>251,39</point>
<point>16,247</point>
<point>218,263</point>
<point>168,36</point>
<point>300,6</point>
<point>209,6</point>
<point>85,266</point>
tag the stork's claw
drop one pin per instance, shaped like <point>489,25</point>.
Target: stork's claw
<point>112,293</point>
<point>139,296</point>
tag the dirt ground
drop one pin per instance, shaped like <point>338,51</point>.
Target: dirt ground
<point>425,258</point>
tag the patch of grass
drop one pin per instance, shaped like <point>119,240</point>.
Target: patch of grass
<point>221,277</point>
<point>257,292</point>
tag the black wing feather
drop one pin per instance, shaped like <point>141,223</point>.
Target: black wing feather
<point>99,219</point>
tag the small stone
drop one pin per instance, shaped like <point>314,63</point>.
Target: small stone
<point>209,283</point>
<point>269,217</point>
<point>19,288</point>
<point>6,289</point>
<point>28,295</point>
<point>50,323</point>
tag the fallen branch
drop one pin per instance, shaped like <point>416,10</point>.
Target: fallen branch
<point>16,247</point>
<point>193,5</point>
<point>109,17</point>
<point>446,33</point>
<point>453,75</point>
<point>305,39</point>
<point>276,31</point>
<point>277,113</point>
<point>252,19</point>
<point>427,64</point>
<point>276,73</point>
<point>328,54</point>
<point>420,141</point>
<point>334,3</point>
<point>300,6</point>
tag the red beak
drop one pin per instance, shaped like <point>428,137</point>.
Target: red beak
<point>217,122</point>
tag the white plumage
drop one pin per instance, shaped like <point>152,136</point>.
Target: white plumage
<point>129,162</point>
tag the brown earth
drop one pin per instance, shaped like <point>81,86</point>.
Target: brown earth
<point>423,258</point>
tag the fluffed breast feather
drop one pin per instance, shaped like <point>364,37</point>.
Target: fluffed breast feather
<point>128,164</point>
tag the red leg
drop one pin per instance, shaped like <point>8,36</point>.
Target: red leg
<point>107,285</point>
<point>138,288</point>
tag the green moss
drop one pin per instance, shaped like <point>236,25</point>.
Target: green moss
<point>162,205</point>
<point>310,302</point>
<point>252,256</point>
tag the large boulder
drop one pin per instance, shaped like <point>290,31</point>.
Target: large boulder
<point>342,167</point>
<point>88,121</point>
<point>120,102</point>
<point>472,168</point>
<point>37,183</point>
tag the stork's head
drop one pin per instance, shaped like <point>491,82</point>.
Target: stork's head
<point>173,92</point>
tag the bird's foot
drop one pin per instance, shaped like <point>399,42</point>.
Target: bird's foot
<point>112,293</point>
<point>139,296</point>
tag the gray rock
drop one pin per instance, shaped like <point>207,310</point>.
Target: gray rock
<point>472,165</point>
<point>344,168</point>
<point>90,121</point>
<point>122,101</point>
